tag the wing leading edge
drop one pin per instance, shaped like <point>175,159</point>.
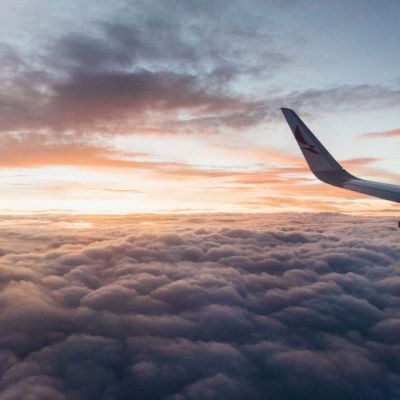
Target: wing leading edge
<point>328,170</point>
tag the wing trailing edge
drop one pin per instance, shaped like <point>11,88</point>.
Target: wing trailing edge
<point>328,170</point>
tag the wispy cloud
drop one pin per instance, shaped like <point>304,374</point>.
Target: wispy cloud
<point>384,134</point>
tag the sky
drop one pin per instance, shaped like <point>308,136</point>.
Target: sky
<point>173,106</point>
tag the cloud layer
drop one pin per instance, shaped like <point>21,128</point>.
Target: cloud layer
<point>194,307</point>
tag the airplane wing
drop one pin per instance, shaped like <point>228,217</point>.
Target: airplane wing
<point>328,170</point>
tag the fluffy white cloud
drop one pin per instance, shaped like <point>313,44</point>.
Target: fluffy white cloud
<point>194,307</point>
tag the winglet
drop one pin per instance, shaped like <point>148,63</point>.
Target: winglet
<point>328,170</point>
<point>321,163</point>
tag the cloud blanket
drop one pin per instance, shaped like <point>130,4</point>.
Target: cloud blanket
<point>282,306</point>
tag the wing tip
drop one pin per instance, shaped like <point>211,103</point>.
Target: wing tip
<point>287,112</point>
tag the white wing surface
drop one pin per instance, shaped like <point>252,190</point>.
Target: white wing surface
<point>328,170</point>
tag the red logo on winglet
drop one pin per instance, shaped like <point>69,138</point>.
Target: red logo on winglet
<point>302,142</point>
<point>299,137</point>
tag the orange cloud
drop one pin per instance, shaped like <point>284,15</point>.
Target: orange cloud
<point>179,185</point>
<point>384,134</point>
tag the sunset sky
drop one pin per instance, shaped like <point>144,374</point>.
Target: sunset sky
<point>173,106</point>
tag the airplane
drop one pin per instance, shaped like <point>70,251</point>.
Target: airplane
<point>328,170</point>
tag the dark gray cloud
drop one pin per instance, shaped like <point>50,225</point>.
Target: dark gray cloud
<point>193,307</point>
<point>123,70</point>
<point>185,68</point>
<point>359,97</point>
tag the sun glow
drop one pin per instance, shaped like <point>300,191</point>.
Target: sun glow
<point>172,189</point>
